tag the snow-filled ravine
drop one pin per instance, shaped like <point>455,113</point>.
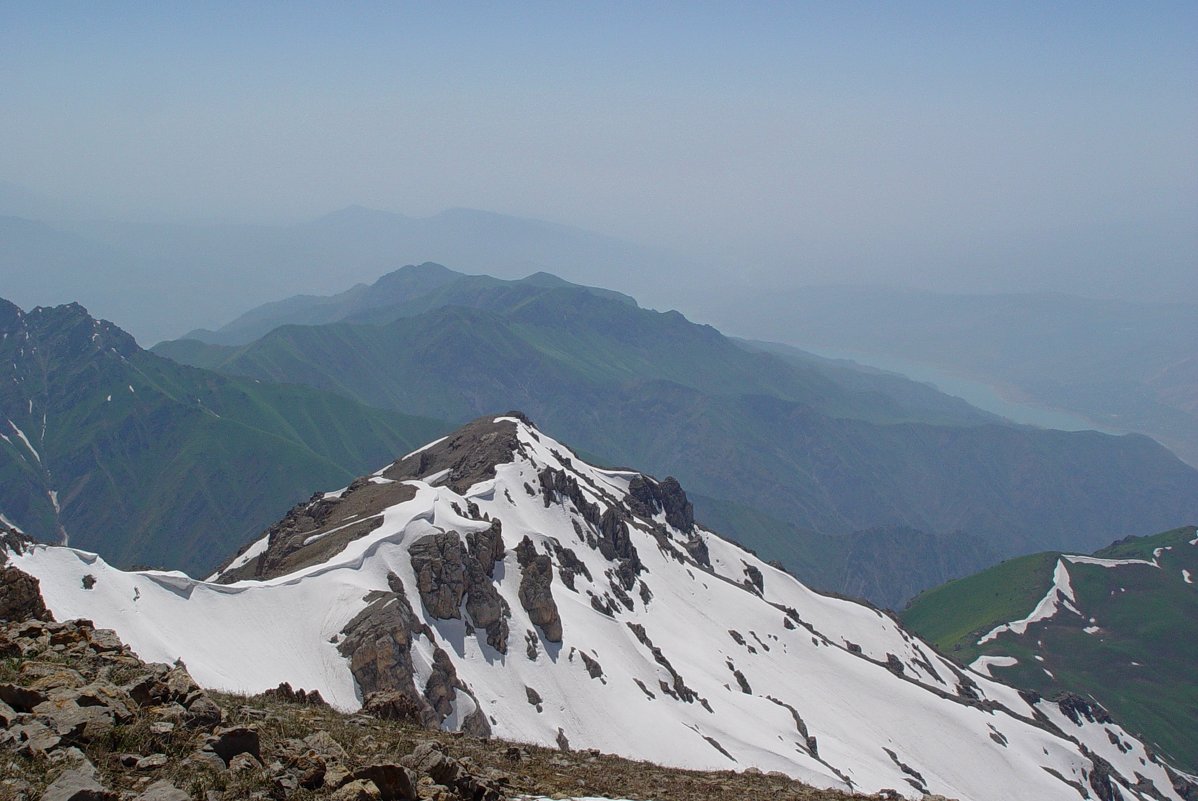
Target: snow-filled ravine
<point>697,654</point>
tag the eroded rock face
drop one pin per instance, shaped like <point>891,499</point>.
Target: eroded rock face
<point>536,595</point>
<point>486,608</point>
<point>647,497</point>
<point>615,542</point>
<point>378,643</point>
<point>438,560</point>
<point>448,572</point>
<point>486,547</point>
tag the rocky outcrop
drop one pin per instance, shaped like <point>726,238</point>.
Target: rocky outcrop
<point>1077,708</point>
<point>753,580</point>
<point>432,759</point>
<point>438,560</point>
<point>20,593</point>
<point>648,497</point>
<point>467,456</point>
<point>378,643</point>
<point>569,566</point>
<point>486,547</point>
<point>486,608</point>
<point>557,486</point>
<point>615,542</point>
<point>284,692</point>
<point>536,595</point>
<point>448,572</point>
<point>696,546</point>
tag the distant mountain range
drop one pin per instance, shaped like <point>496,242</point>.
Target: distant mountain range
<point>492,582</point>
<point>1126,366</point>
<point>1120,626</point>
<point>151,462</point>
<point>776,447</point>
<point>162,279</point>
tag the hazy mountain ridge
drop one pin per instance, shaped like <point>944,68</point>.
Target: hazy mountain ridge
<point>1119,626</point>
<point>498,583</point>
<point>151,462</point>
<point>1127,366</point>
<point>161,279</point>
<point>820,446</point>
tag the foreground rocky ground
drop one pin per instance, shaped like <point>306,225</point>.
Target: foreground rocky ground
<point>84,719</point>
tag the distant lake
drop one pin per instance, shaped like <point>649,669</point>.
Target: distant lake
<point>984,396</point>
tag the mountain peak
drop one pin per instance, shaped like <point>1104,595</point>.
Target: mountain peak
<point>67,330</point>
<point>11,316</point>
<point>512,588</point>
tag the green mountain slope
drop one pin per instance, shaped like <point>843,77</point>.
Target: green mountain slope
<point>148,461</point>
<point>819,446</point>
<point>1128,635</point>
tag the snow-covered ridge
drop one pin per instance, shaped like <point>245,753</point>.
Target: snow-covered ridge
<point>606,618</point>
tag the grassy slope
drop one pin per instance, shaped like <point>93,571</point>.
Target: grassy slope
<point>958,613</point>
<point>1140,664</point>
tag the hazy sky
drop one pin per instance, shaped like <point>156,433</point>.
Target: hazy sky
<point>959,145</point>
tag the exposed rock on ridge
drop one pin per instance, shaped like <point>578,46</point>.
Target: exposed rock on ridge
<point>535,594</point>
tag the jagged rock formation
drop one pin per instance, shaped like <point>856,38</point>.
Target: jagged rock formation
<point>535,594</point>
<point>663,642</point>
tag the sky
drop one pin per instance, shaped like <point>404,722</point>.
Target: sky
<point>966,146</point>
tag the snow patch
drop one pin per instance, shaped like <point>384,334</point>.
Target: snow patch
<point>1094,560</point>
<point>421,449</point>
<point>437,477</point>
<point>253,552</point>
<point>983,663</point>
<point>25,439</point>
<point>323,534</point>
<point>1060,594</point>
<point>1185,575</point>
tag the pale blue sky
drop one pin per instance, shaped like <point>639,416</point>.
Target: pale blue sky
<point>973,145</point>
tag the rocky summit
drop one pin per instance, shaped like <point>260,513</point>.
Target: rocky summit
<point>494,584</point>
